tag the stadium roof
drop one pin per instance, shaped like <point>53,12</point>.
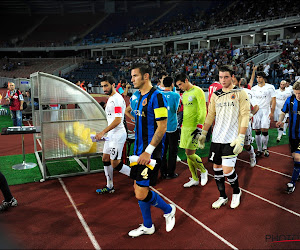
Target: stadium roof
<point>41,7</point>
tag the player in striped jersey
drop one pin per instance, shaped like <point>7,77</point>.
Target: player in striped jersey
<point>112,151</point>
<point>292,106</point>
<point>230,108</point>
<point>151,124</point>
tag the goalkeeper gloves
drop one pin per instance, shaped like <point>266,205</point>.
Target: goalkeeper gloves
<point>238,144</point>
<point>197,132</point>
<point>201,139</point>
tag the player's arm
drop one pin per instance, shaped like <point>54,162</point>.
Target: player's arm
<point>126,89</point>
<point>284,110</point>
<point>252,76</point>
<point>128,112</point>
<point>115,123</point>
<point>208,121</point>
<point>244,112</point>
<point>201,107</point>
<point>273,105</point>
<point>254,110</point>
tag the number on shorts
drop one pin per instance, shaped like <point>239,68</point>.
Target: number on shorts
<point>212,156</point>
<point>145,173</point>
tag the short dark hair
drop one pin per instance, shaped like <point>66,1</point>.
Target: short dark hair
<point>168,80</point>
<point>109,79</point>
<point>288,80</point>
<point>144,68</point>
<point>226,68</point>
<point>123,81</point>
<point>181,77</point>
<point>161,74</point>
<point>238,78</point>
<point>261,74</point>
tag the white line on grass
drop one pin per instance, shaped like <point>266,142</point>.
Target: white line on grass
<point>197,221</point>
<point>264,199</point>
<point>80,217</point>
<point>272,170</point>
<point>281,154</point>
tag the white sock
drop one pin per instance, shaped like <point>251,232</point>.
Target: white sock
<point>109,171</point>
<point>125,170</point>
<point>285,125</point>
<point>251,152</point>
<point>265,140</point>
<point>280,132</point>
<point>258,142</point>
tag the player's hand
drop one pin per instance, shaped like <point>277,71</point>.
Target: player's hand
<point>201,139</point>
<point>238,144</point>
<point>144,158</point>
<point>271,116</point>
<point>21,107</point>
<point>100,135</point>
<point>250,116</point>
<point>279,124</point>
<point>196,133</point>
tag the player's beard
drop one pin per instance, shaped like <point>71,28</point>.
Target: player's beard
<point>109,92</point>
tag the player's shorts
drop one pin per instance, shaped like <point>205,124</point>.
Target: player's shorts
<point>144,176</point>
<point>261,119</point>
<point>248,135</point>
<point>295,145</point>
<point>222,154</point>
<point>114,147</point>
<point>186,140</point>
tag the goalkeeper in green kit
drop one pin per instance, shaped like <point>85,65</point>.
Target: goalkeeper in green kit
<point>194,113</point>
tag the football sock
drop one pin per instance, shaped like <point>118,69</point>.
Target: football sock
<point>157,201</point>
<point>220,181</point>
<point>232,178</point>
<point>251,152</point>
<point>192,168</point>
<point>280,132</point>
<point>109,171</point>
<point>123,169</point>
<point>146,213</point>
<point>296,172</point>
<point>265,139</point>
<point>5,188</point>
<point>285,125</point>
<point>258,142</point>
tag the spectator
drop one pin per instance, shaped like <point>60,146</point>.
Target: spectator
<point>15,98</point>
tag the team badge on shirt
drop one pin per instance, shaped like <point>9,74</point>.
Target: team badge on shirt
<point>144,102</point>
<point>190,98</point>
<point>233,96</point>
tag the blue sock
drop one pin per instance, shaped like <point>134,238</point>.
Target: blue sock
<point>146,213</point>
<point>296,172</point>
<point>157,201</point>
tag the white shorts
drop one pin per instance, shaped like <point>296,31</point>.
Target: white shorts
<point>261,119</point>
<point>114,147</point>
<point>248,135</point>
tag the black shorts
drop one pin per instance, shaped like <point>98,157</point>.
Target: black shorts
<point>219,151</point>
<point>295,145</point>
<point>144,176</point>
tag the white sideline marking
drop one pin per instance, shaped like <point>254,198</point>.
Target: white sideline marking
<point>197,221</point>
<point>281,154</point>
<point>272,170</point>
<point>80,217</point>
<point>264,199</point>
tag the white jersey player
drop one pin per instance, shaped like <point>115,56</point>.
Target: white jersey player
<point>116,133</point>
<point>248,136</point>
<point>262,95</point>
<point>281,95</point>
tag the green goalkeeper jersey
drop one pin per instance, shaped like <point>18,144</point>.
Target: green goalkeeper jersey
<point>194,107</point>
